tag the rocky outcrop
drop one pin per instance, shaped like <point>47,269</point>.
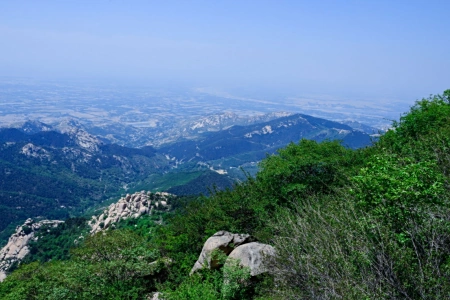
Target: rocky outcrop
<point>81,137</point>
<point>252,255</point>
<point>17,247</point>
<point>31,150</point>
<point>131,206</point>
<point>223,241</point>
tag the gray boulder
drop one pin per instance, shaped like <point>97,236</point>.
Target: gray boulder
<point>252,255</point>
<point>224,241</point>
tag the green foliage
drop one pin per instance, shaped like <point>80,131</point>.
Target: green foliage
<point>233,282</point>
<point>426,118</point>
<point>322,252</point>
<point>240,210</point>
<point>54,243</point>
<point>145,226</point>
<point>330,249</point>
<point>396,189</point>
<point>201,287</point>
<point>305,168</point>
<point>118,256</point>
<point>385,233</point>
<point>113,265</point>
<point>27,229</point>
<point>236,280</point>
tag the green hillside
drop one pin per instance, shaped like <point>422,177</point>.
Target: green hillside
<point>371,223</point>
<point>47,174</point>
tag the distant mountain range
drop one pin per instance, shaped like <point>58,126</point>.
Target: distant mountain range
<point>56,171</point>
<point>162,132</point>
<point>266,136</point>
<point>243,146</point>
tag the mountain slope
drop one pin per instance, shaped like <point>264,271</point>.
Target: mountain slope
<point>54,174</point>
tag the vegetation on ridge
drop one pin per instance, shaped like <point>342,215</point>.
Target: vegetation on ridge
<point>372,223</point>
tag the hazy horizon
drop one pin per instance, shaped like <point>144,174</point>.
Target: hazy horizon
<point>354,50</point>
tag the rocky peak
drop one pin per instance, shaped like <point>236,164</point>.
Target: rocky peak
<point>78,133</point>
<point>131,206</point>
<point>84,139</point>
<point>17,247</point>
<point>32,126</point>
<point>31,150</point>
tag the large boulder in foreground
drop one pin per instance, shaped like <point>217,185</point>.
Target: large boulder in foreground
<point>223,241</point>
<point>252,255</point>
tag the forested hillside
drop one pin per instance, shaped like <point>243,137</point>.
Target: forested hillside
<point>57,175</point>
<point>371,223</point>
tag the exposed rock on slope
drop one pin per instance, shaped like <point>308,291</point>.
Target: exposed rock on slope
<point>131,206</point>
<point>239,248</point>
<point>224,241</point>
<point>17,247</point>
<point>253,256</point>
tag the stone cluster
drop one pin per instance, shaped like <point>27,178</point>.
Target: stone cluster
<point>17,247</point>
<point>239,248</point>
<point>131,206</point>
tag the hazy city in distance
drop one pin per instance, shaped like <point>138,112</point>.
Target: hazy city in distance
<point>144,61</point>
<point>53,102</point>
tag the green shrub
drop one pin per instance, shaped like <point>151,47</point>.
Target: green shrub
<point>395,189</point>
<point>304,168</point>
<point>426,118</point>
<point>330,249</point>
<point>236,283</point>
<point>195,287</point>
<point>112,265</point>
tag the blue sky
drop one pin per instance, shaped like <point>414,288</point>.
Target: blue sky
<point>394,48</point>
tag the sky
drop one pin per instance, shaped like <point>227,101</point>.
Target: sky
<point>396,48</point>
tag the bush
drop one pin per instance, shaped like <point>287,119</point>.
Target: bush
<point>304,168</point>
<point>395,189</point>
<point>329,249</point>
<point>236,283</point>
<point>427,117</point>
<point>112,265</point>
<point>196,287</point>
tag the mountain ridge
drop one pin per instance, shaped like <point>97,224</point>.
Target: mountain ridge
<point>58,174</point>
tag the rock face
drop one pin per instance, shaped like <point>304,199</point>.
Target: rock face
<point>82,138</point>
<point>224,241</point>
<point>17,247</point>
<point>131,206</point>
<point>253,256</point>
